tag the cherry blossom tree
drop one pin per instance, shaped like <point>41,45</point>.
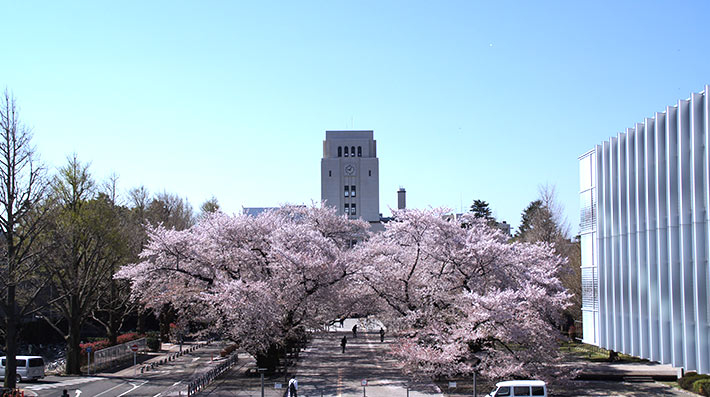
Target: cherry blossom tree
<point>462,298</point>
<point>261,281</point>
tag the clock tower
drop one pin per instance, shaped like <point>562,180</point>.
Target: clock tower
<point>350,174</point>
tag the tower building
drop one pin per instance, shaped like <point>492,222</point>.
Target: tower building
<point>350,174</point>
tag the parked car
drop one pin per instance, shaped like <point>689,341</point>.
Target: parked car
<point>28,367</point>
<point>515,388</point>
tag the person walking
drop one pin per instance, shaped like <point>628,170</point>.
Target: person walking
<point>344,342</point>
<point>292,390</point>
<point>382,335</point>
<point>355,331</point>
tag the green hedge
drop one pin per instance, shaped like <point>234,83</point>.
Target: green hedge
<point>687,381</point>
<point>702,387</point>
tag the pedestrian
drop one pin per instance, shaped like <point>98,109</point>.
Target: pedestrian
<point>344,342</point>
<point>65,393</point>
<point>382,335</point>
<point>355,331</point>
<point>292,387</point>
<point>342,322</point>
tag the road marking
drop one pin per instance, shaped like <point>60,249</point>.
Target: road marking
<point>177,383</point>
<point>157,394</point>
<point>195,359</point>
<point>340,382</point>
<point>106,391</point>
<point>68,382</point>
<point>134,388</point>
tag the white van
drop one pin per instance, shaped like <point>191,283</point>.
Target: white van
<point>514,388</point>
<point>28,367</point>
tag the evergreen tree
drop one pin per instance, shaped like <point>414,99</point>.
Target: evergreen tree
<point>481,209</point>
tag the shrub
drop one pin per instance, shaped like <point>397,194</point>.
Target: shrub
<point>127,337</point>
<point>702,387</point>
<point>227,350</point>
<point>153,343</point>
<point>686,382</point>
<point>98,345</point>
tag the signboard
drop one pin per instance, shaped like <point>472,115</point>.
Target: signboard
<point>278,386</point>
<point>364,382</point>
<point>134,347</point>
<point>88,349</point>
<point>452,385</point>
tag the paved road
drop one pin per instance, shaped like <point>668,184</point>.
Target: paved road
<point>166,380</point>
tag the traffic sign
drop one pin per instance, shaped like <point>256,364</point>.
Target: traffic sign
<point>88,349</point>
<point>134,347</point>
<point>364,382</point>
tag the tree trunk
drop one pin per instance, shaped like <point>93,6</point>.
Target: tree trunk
<point>141,322</point>
<point>112,327</point>
<point>73,340</point>
<point>11,339</point>
<point>269,359</point>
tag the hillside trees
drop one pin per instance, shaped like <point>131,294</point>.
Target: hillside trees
<point>261,281</point>
<point>22,189</point>
<point>463,298</point>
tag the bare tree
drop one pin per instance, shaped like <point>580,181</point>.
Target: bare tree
<point>22,189</point>
<point>543,221</point>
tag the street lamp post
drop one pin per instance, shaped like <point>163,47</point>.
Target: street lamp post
<point>261,371</point>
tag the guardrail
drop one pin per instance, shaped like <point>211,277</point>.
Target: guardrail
<point>105,357</point>
<point>203,380</point>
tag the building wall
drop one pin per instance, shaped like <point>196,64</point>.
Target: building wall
<point>361,171</point>
<point>646,195</point>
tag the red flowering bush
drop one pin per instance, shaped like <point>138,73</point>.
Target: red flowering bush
<point>129,337</point>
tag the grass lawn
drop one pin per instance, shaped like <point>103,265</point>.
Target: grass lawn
<point>584,351</point>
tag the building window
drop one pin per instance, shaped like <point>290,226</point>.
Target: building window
<point>359,151</point>
<point>352,151</point>
<point>347,191</point>
<point>347,209</point>
<point>352,190</point>
<point>340,151</point>
<point>352,209</point>
<point>369,173</point>
<point>330,173</point>
<point>346,151</point>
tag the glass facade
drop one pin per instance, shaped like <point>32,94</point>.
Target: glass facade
<point>588,236</point>
<point>645,238</point>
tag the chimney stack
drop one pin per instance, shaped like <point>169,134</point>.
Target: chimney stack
<point>401,199</point>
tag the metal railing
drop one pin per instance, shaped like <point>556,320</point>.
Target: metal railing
<point>105,357</point>
<point>203,380</point>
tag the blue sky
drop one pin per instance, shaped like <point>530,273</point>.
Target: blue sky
<point>468,100</point>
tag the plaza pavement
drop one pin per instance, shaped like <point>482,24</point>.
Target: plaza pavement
<point>323,370</point>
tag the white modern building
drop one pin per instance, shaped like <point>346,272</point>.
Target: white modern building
<point>644,236</point>
<point>350,174</point>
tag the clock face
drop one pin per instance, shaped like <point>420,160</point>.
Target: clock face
<point>349,169</point>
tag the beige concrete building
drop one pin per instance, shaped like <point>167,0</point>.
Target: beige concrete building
<point>350,178</point>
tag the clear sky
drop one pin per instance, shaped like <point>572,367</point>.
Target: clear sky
<point>468,100</point>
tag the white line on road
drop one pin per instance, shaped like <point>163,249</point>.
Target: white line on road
<point>177,383</point>
<point>195,359</point>
<point>134,388</point>
<point>106,391</point>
